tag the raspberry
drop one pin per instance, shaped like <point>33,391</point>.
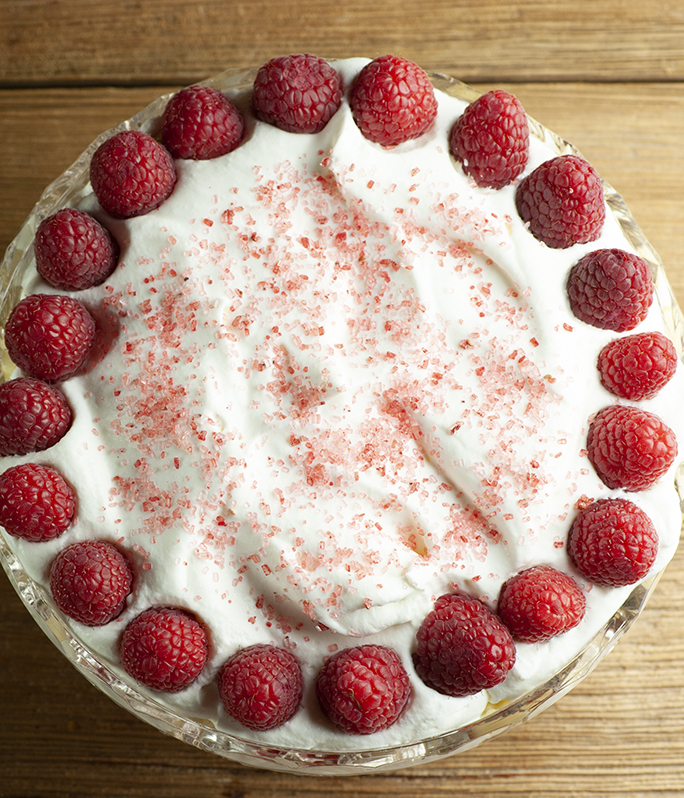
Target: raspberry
<point>492,139</point>
<point>90,582</point>
<point>540,603</point>
<point>610,289</point>
<point>297,93</point>
<point>36,503</point>
<point>131,174</point>
<point>261,686</point>
<point>49,336</point>
<point>462,647</point>
<point>363,690</point>
<point>636,367</point>
<point>74,251</point>
<point>201,123</point>
<point>630,448</point>
<point>392,100</point>
<point>562,202</point>
<point>33,416</point>
<point>164,648</point>
<point>613,543</point>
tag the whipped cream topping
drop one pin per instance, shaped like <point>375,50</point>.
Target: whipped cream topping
<point>333,382</point>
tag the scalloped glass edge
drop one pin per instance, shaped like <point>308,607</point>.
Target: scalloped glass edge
<point>67,190</point>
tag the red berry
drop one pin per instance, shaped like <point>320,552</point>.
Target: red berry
<point>74,251</point>
<point>562,202</point>
<point>131,174</point>
<point>610,289</point>
<point>164,649</point>
<point>261,686</point>
<point>492,139</point>
<point>297,93</point>
<point>462,647</point>
<point>392,100</point>
<point>49,336</point>
<point>613,543</point>
<point>33,416</point>
<point>363,690</point>
<point>201,123</point>
<point>540,603</point>
<point>630,448</point>
<point>636,367</point>
<point>36,503</point>
<point>90,582</point>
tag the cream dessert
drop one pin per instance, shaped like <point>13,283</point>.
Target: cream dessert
<point>334,380</point>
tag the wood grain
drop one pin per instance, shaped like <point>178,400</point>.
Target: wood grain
<point>61,42</point>
<point>607,76</point>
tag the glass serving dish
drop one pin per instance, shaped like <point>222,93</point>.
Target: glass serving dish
<point>68,190</point>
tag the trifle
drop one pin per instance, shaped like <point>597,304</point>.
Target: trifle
<point>339,425</point>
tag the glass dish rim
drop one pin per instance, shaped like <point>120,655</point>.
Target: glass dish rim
<point>68,189</point>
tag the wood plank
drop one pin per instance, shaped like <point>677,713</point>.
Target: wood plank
<point>71,42</point>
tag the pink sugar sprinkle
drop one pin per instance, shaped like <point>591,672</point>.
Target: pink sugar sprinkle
<point>286,286</point>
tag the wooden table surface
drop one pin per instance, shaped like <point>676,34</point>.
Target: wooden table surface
<point>607,76</point>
